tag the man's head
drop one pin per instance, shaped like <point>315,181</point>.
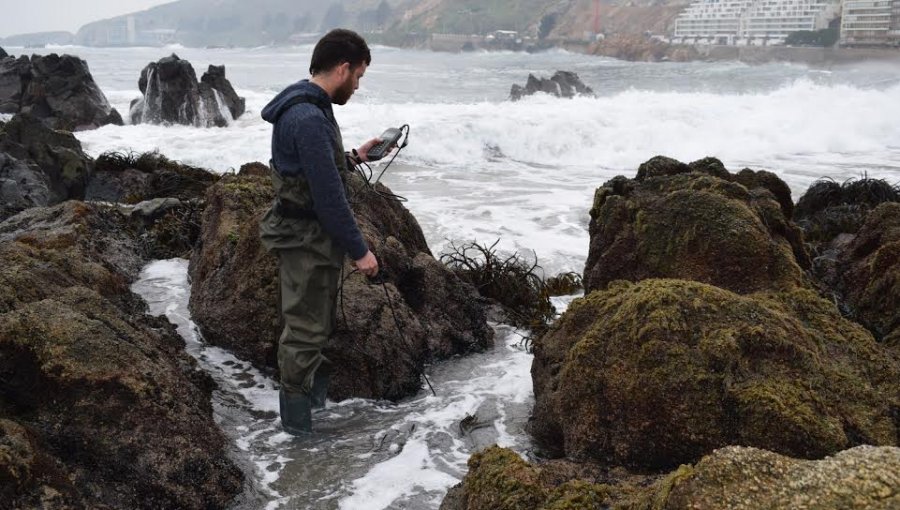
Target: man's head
<point>339,60</point>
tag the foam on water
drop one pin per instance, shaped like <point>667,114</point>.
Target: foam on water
<point>365,454</point>
<point>525,172</point>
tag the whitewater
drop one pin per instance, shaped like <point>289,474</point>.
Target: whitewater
<point>479,167</point>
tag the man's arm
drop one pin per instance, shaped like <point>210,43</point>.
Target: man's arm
<point>316,147</point>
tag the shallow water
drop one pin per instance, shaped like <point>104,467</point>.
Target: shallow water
<point>364,454</point>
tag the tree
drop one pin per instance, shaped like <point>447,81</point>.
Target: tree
<point>825,38</point>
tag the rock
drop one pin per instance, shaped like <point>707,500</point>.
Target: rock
<point>234,294</point>
<point>734,477</point>
<point>22,185</point>
<point>563,84</point>
<point>870,273</point>
<point>751,179</point>
<point>863,478</point>
<point>13,73</point>
<point>256,168</point>
<point>172,95</point>
<point>693,222</point>
<point>151,210</point>
<point>499,479</point>
<point>829,209</point>
<point>102,407</point>
<point>662,372</point>
<point>59,90</point>
<point>63,166</point>
<point>214,79</point>
<point>133,178</point>
<point>3,53</point>
<point>660,166</point>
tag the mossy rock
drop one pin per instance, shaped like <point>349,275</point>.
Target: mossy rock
<point>863,478</point>
<point>499,479</point>
<point>662,372</point>
<point>104,407</point>
<point>871,274</point>
<point>234,294</point>
<point>694,226</point>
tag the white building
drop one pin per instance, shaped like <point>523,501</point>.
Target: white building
<point>751,22</point>
<point>870,23</point>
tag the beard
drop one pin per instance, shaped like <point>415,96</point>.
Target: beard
<point>344,92</point>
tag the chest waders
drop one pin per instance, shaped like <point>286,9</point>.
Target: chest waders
<point>310,263</point>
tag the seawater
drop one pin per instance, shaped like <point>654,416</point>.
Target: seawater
<point>364,455</point>
<point>480,167</point>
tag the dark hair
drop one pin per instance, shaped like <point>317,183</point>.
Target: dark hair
<point>335,48</point>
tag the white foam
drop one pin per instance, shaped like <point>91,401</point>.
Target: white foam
<point>525,172</point>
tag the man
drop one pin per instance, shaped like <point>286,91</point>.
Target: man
<point>310,226</point>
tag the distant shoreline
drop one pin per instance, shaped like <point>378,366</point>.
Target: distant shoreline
<point>635,50</point>
<point>804,55</point>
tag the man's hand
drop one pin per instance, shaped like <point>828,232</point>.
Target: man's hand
<point>363,152</point>
<point>368,265</point>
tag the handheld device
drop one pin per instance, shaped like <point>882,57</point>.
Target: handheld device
<point>388,139</point>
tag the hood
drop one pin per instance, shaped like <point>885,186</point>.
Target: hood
<point>290,96</point>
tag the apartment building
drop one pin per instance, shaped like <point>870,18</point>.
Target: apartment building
<point>870,23</point>
<point>751,22</point>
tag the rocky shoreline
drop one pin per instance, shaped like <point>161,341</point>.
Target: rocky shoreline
<point>709,338</point>
<point>731,345</point>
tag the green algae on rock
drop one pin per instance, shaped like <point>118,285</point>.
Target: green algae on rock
<point>499,479</point>
<point>102,407</point>
<point>694,222</point>
<point>662,372</point>
<point>871,276</point>
<point>737,478</point>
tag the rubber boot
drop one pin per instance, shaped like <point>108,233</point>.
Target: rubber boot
<point>320,386</point>
<point>296,413</point>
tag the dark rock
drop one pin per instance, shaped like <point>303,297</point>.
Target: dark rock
<point>58,155</point>
<point>675,222</point>
<point>102,407</point>
<point>829,209</point>
<point>3,53</point>
<point>22,185</point>
<point>172,95</point>
<point>59,90</point>
<point>214,78</point>
<point>13,73</point>
<point>133,178</point>
<point>662,372</point>
<point>661,166</point>
<point>762,179</point>
<point>256,168</point>
<point>870,274</point>
<point>563,84</point>
<point>863,478</point>
<point>234,294</point>
<point>150,211</point>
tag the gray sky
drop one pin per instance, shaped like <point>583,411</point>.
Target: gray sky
<point>25,16</point>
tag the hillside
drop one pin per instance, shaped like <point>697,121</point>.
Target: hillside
<point>240,23</point>
<point>567,19</point>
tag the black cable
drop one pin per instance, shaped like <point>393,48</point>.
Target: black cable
<point>410,364</point>
<point>361,167</point>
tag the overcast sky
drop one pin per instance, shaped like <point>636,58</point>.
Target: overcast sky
<point>26,16</point>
